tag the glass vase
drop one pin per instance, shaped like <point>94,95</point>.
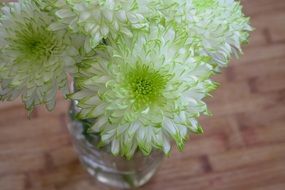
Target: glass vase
<point>101,164</point>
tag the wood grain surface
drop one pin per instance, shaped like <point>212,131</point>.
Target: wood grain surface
<point>243,147</point>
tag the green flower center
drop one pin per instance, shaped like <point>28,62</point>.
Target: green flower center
<point>143,87</point>
<point>34,42</point>
<point>203,4</point>
<point>146,86</point>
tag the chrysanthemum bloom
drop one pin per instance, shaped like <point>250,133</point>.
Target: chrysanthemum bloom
<point>98,18</point>
<point>219,27</point>
<point>33,60</point>
<point>223,28</point>
<point>144,91</point>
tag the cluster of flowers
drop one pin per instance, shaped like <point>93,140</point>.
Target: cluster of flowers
<point>142,67</point>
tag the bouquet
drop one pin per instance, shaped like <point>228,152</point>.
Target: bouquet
<point>141,68</point>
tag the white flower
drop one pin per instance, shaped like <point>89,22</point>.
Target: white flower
<point>98,18</point>
<point>222,28</point>
<point>33,60</point>
<point>218,27</point>
<point>144,91</point>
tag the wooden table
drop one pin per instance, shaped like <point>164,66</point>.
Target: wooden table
<point>243,147</point>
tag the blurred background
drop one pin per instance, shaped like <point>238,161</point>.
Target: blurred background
<point>243,146</point>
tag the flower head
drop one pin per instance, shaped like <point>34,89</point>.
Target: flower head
<point>144,91</point>
<point>221,27</point>
<point>217,27</point>
<point>98,18</point>
<point>34,60</point>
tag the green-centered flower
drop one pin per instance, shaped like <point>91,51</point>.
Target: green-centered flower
<point>144,91</point>
<point>217,27</point>
<point>221,28</point>
<point>98,18</point>
<point>33,60</point>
